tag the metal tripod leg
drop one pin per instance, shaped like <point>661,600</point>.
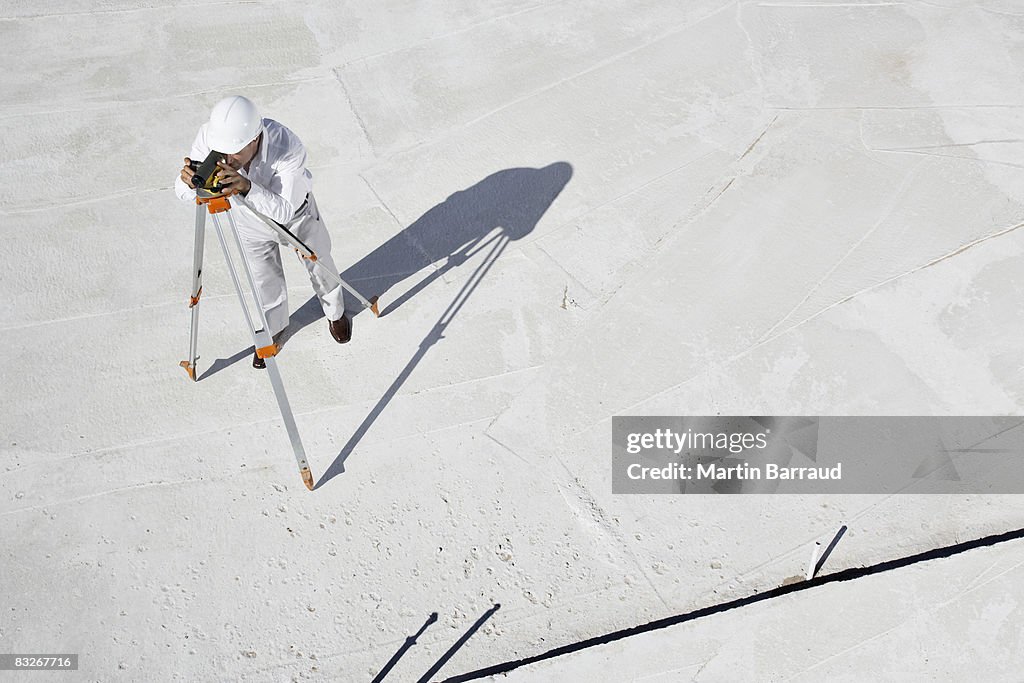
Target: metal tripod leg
<point>310,255</point>
<point>265,347</point>
<point>197,290</point>
<point>298,245</point>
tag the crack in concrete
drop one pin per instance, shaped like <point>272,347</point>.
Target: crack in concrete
<point>120,104</point>
<point>355,112</point>
<point>132,487</point>
<point>758,139</point>
<point>893,203</point>
<point>576,220</point>
<point>827,5</point>
<point>753,54</point>
<point>419,247</point>
<point>36,208</point>
<point>131,10</point>
<point>956,144</point>
<point>464,29</point>
<point>506,447</point>
<point>845,299</point>
<point>603,63</point>
<point>946,156</point>
<point>912,107</point>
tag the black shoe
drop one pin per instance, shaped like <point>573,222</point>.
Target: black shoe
<point>341,329</point>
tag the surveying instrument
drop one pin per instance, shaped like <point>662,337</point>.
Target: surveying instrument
<point>209,199</point>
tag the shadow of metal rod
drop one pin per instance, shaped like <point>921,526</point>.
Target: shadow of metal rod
<point>409,642</point>
<point>459,643</point>
<point>456,259</point>
<point>435,335</point>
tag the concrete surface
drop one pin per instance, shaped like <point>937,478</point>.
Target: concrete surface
<point>736,207</point>
<point>951,619</point>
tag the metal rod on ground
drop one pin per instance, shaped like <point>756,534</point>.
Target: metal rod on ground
<point>812,565</point>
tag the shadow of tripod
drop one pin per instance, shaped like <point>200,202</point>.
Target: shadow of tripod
<point>511,201</point>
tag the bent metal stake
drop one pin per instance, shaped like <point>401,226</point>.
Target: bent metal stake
<point>217,204</point>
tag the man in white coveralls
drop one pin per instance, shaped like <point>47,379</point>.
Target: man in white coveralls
<point>266,163</point>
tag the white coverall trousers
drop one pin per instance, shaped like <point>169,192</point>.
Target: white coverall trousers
<point>263,252</point>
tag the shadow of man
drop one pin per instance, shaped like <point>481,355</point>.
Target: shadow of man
<point>511,201</point>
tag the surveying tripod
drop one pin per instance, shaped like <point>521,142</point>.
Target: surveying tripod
<point>266,348</point>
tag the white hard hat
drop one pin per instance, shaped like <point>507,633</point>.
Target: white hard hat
<point>234,123</point>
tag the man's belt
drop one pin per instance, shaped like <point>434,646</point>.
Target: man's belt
<point>299,211</point>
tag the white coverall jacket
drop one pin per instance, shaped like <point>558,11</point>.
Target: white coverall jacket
<point>281,190</point>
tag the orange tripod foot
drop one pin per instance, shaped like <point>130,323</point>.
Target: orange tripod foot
<point>189,368</point>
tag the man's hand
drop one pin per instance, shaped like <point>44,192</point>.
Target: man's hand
<point>232,181</point>
<point>187,172</point>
